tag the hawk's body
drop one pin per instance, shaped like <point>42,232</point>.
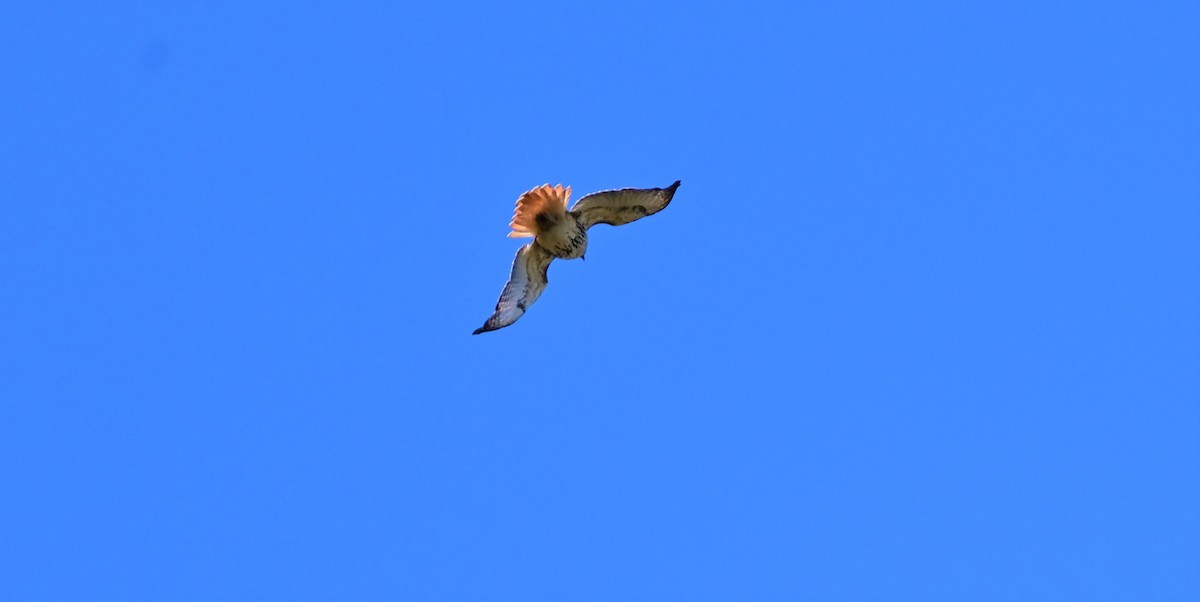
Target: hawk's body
<point>558,232</point>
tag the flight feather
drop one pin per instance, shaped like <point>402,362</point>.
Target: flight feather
<point>618,207</point>
<point>525,285</point>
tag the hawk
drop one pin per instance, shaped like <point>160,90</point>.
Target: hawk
<point>556,231</point>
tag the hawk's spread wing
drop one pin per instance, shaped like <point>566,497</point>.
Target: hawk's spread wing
<point>525,285</point>
<point>622,206</point>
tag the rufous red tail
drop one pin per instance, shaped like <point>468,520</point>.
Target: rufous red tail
<point>544,199</point>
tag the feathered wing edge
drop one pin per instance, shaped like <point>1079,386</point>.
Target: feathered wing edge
<point>525,285</point>
<point>618,207</point>
<point>543,199</point>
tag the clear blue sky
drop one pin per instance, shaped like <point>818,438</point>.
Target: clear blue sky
<point>923,321</point>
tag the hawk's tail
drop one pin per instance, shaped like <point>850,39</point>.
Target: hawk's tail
<point>536,207</point>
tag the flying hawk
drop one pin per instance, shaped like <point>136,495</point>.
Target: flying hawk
<point>542,215</point>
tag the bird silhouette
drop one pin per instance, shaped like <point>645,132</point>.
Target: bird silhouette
<point>542,215</point>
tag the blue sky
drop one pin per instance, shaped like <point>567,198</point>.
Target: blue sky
<point>922,322</point>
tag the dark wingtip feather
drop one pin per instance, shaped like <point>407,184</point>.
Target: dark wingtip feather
<point>483,328</point>
<point>672,187</point>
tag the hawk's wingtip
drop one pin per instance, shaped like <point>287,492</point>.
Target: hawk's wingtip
<point>675,185</point>
<point>480,329</point>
